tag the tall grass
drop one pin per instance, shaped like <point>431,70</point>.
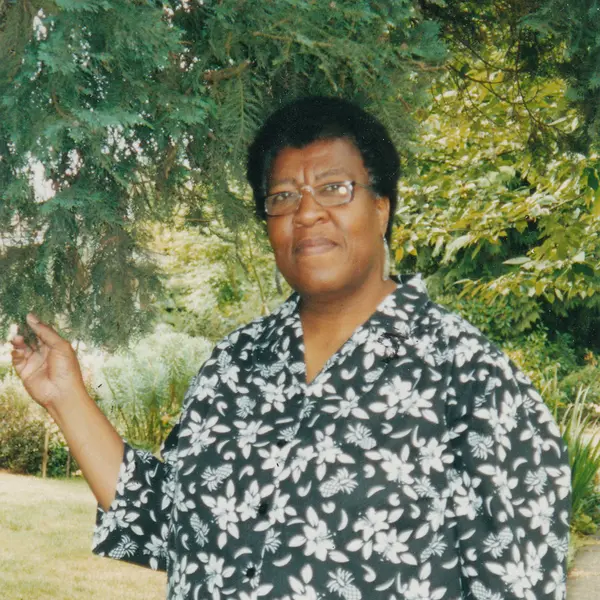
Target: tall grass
<point>584,458</point>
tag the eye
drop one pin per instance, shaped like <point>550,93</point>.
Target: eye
<point>338,189</point>
<point>278,197</point>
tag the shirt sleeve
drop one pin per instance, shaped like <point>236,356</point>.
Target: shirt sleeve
<point>512,488</point>
<point>135,528</point>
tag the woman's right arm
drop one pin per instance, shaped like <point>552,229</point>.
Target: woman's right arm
<point>52,377</point>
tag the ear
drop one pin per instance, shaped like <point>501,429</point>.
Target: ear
<point>382,206</point>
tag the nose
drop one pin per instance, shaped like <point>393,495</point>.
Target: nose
<point>309,211</point>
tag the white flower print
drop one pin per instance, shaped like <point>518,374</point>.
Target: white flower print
<point>371,523</point>
<point>216,572</point>
<point>466,349</point>
<point>248,434</point>
<point>280,509</point>
<point>396,391</point>
<point>348,406</point>
<point>541,513</point>
<point>248,508</point>
<point>391,545</point>
<point>201,433</point>
<point>359,484</point>
<point>274,394</point>
<point>223,511</point>
<point>315,537</point>
<point>300,462</point>
<point>436,516</point>
<point>468,505</point>
<point>228,371</point>
<point>557,584</point>
<point>301,588</point>
<point>180,584</point>
<point>431,456</point>
<point>156,547</point>
<point>397,467</point>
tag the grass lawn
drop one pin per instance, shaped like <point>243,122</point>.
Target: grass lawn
<point>45,540</point>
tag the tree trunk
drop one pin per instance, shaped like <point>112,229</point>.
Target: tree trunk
<point>46,451</point>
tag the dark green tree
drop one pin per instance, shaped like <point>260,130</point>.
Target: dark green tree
<point>117,114</point>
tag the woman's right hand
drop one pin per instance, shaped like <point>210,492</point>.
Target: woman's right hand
<point>50,372</point>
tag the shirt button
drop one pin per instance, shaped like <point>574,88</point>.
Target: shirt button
<point>263,508</point>
<point>280,443</point>
<point>250,572</point>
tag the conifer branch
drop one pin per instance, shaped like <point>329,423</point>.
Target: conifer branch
<point>58,108</point>
<point>226,73</point>
<point>283,38</point>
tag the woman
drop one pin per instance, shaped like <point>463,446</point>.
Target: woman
<point>360,442</point>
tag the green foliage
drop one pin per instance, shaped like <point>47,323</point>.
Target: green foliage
<point>584,459</point>
<point>542,359</point>
<point>577,25</point>
<point>21,430</point>
<point>587,377</point>
<point>117,114</point>
<point>495,217</point>
<point>141,390</point>
<point>216,279</point>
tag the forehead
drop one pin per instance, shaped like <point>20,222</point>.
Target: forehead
<point>338,154</point>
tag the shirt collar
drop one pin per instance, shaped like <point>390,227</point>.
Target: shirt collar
<point>394,318</point>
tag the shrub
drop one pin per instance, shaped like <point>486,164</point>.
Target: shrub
<point>587,377</point>
<point>22,429</point>
<point>542,359</point>
<point>141,390</point>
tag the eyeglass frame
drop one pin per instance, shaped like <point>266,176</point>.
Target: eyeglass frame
<point>311,189</point>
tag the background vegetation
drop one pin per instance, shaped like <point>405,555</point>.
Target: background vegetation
<point>123,129</point>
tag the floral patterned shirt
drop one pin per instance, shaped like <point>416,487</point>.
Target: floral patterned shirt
<point>419,464</point>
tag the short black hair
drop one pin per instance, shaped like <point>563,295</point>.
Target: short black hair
<point>314,118</point>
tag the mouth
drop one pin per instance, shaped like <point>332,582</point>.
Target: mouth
<point>313,246</point>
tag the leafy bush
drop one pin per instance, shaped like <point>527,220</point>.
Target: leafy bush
<point>21,430</point>
<point>587,377</point>
<point>584,459</point>
<point>141,390</point>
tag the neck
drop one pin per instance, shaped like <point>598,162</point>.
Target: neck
<point>341,313</point>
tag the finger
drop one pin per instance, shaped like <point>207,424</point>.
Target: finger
<point>45,333</point>
<point>21,354</point>
<point>17,340</point>
<point>19,343</point>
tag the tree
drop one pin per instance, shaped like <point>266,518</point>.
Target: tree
<point>118,114</point>
<point>503,207</point>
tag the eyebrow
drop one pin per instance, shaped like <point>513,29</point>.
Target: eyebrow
<point>323,175</point>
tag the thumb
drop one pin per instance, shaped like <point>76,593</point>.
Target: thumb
<point>45,333</point>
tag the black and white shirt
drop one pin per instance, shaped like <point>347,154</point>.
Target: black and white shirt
<point>419,464</point>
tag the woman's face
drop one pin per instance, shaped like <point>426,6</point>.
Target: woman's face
<point>333,250</point>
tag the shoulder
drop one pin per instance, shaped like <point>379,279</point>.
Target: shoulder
<point>236,351</point>
<point>472,358</point>
<point>254,332</point>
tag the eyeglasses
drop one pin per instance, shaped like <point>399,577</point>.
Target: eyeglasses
<point>326,195</point>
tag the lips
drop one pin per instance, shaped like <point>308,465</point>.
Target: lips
<point>313,245</point>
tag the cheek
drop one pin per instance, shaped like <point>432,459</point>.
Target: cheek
<point>278,237</point>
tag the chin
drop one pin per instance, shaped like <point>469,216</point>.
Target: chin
<point>317,282</point>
